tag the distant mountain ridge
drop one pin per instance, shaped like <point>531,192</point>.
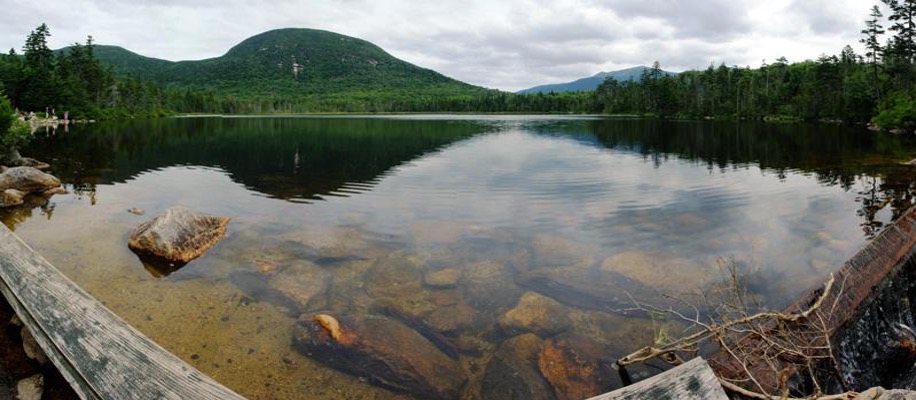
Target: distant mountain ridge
<point>590,83</point>
<point>293,63</point>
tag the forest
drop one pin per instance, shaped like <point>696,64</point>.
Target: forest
<point>875,87</point>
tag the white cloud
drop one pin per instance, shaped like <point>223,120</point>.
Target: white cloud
<point>509,44</point>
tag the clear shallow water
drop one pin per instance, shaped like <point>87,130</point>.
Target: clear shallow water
<point>581,210</point>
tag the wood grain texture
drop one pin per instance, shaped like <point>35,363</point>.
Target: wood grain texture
<point>96,351</point>
<point>691,380</point>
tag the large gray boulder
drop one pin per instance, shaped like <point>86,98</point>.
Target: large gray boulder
<point>27,179</point>
<point>178,235</point>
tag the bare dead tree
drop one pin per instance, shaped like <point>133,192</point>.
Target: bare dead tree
<point>766,347</point>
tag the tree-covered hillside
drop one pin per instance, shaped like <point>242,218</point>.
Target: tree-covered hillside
<point>298,69</point>
<point>127,63</point>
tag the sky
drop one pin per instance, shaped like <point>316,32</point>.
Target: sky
<point>503,44</point>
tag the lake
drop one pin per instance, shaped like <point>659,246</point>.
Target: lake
<point>504,245</point>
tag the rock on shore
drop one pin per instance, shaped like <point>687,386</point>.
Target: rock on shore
<point>27,179</point>
<point>12,197</point>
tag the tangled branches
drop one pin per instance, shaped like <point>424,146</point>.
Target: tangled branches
<point>768,354</point>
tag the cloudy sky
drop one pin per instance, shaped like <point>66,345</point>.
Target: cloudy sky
<point>505,44</point>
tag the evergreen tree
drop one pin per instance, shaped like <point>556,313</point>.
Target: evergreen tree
<point>37,53</point>
<point>39,87</point>
<point>873,31</point>
<point>902,49</point>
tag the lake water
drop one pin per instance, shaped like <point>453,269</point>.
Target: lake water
<point>470,230</point>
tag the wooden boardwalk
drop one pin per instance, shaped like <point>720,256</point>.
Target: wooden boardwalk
<point>693,380</point>
<point>96,351</point>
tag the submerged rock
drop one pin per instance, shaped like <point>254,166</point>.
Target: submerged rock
<point>670,275</point>
<point>489,287</point>
<point>576,367</point>
<point>265,266</point>
<point>178,235</point>
<point>27,179</point>
<point>513,371</point>
<point>303,283</point>
<point>556,251</point>
<point>594,290</point>
<point>395,282</point>
<point>442,279</point>
<point>386,351</point>
<point>395,285</point>
<point>538,314</point>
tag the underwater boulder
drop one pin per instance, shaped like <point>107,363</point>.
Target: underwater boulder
<point>538,314</point>
<point>513,371</point>
<point>385,351</point>
<point>576,367</point>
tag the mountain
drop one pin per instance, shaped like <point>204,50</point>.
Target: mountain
<point>592,82</point>
<point>294,64</point>
<point>126,62</point>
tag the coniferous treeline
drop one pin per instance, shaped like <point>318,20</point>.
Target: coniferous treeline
<point>832,87</point>
<point>875,87</point>
<point>72,81</point>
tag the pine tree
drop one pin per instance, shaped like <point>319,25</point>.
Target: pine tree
<point>39,89</point>
<point>37,53</point>
<point>902,47</point>
<point>873,30</point>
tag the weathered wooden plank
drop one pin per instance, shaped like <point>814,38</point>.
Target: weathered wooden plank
<point>691,380</point>
<point>97,352</point>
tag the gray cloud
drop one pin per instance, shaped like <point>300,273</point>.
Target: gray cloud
<point>707,19</point>
<point>508,44</point>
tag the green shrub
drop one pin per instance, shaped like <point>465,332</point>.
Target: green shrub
<point>18,135</point>
<point>13,132</point>
<point>7,114</point>
<point>897,111</point>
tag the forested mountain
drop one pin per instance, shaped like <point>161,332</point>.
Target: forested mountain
<point>591,83</point>
<point>280,71</point>
<point>127,63</point>
<point>296,67</point>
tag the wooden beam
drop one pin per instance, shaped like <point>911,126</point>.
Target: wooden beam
<point>98,353</point>
<point>691,380</point>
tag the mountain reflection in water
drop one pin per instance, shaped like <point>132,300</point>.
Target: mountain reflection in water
<point>456,227</point>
